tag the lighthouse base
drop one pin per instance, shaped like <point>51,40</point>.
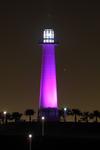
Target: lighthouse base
<point>50,114</point>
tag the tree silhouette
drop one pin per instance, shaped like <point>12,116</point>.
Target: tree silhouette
<point>60,114</point>
<point>85,116</point>
<point>76,112</point>
<point>8,117</point>
<point>16,116</point>
<point>1,118</point>
<point>91,116</point>
<point>69,112</point>
<point>29,112</point>
<point>96,115</point>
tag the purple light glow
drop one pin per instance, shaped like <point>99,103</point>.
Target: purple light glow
<point>48,87</point>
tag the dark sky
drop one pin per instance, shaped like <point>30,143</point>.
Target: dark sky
<point>77,26</point>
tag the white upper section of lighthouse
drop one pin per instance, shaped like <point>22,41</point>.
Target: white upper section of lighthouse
<point>48,36</point>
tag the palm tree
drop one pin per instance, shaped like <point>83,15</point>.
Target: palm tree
<point>8,117</point>
<point>96,115</point>
<point>85,116</point>
<point>29,112</point>
<point>91,116</point>
<point>69,112</point>
<point>60,113</point>
<point>16,116</point>
<point>1,118</point>
<point>76,112</point>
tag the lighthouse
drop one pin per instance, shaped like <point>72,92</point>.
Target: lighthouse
<point>48,104</point>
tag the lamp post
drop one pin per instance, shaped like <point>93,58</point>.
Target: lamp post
<point>30,141</point>
<point>5,116</point>
<point>43,119</point>
<point>65,110</point>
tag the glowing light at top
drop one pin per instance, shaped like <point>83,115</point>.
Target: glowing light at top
<point>48,36</point>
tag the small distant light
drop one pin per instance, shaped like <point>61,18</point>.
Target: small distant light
<point>65,109</point>
<point>43,118</point>
<point>30,136</point>
<point>5,112</point>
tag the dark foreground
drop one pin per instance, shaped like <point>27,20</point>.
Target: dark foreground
<point>57,135</point>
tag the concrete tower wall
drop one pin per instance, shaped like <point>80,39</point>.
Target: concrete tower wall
<point>48,87</point>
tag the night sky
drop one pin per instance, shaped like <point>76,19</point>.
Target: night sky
<point>77,26</point>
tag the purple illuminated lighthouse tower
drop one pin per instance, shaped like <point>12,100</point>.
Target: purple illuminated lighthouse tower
<point>48,106</point>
